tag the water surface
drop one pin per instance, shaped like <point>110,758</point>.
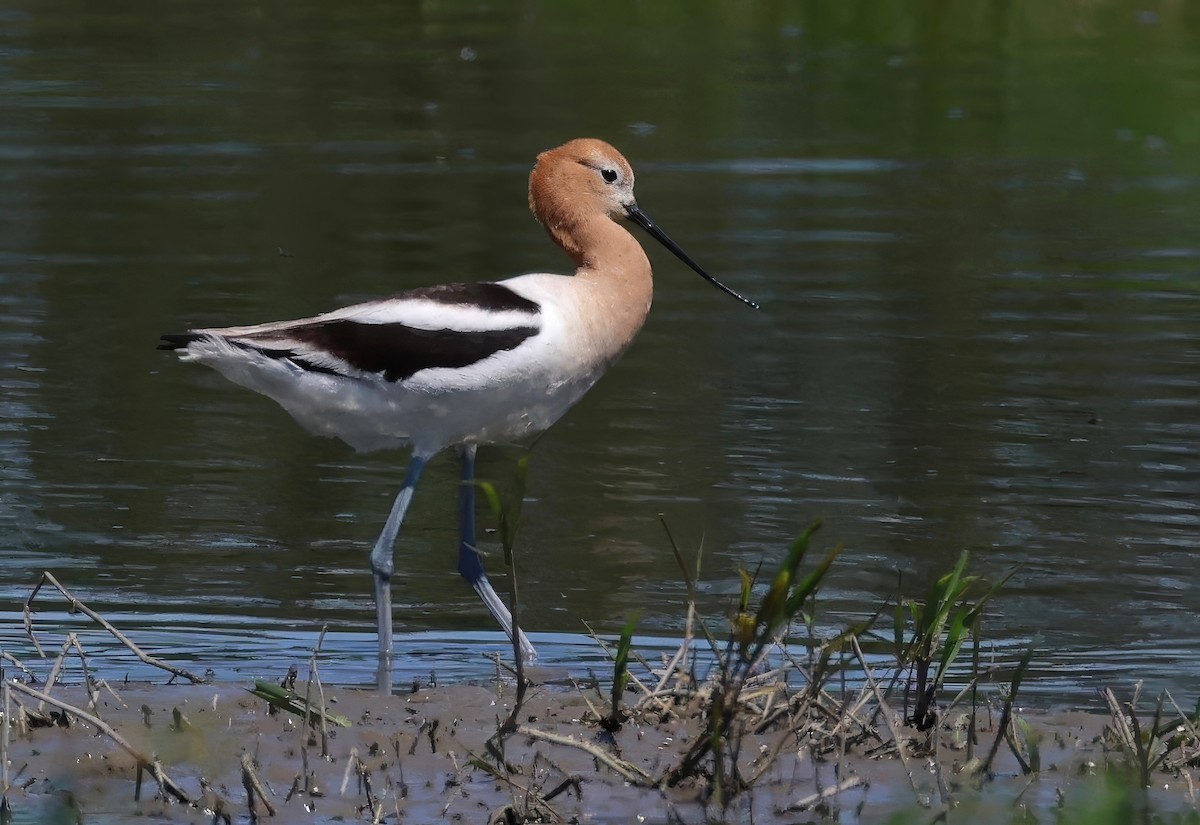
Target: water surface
<point>972,228</point>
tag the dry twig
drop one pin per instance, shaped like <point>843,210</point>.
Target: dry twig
<point>76,606</point>
<point>627,770</point>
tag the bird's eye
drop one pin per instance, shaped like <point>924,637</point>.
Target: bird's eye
<point>609,175</point>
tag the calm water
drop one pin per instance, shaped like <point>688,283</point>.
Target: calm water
<point>972,227</point>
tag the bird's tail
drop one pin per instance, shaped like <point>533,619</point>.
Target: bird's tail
<point>177,340</point>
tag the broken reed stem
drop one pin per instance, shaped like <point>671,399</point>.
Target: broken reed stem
<point>92,688</point>
<point>689,626</point>
<point>346,772</point>
<point>889,717</point>
<point>314,675</point>
<point>212,801</point>
<point>309,717</point>
<point>363,775</point>
<point>580,689</point>
<point>165,782</point>
<point>1002,729</point>
<point>76,606</point>
<point>60,661</point>
<point>689,582</point>
<point>772,753</point>
<point>536,807</point>
<point>8,657</point>
<point>1189,724</point>
<point>4,742</point>
<point>103,683</point>
<point>374,805</point>
<point>569,781</point>
<point>254,787</point>
<point>1120,725</point>
<point>677,659</point>
<point>647,693</point>
<point>456,784</point>
<point>55,669</point>
<point>938,773</point>
<point>308,720</point>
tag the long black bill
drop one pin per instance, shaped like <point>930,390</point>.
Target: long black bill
<point>643,220</point>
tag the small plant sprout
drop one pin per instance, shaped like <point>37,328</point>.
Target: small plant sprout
<point>716,754</point>
<point>508,519</point>
<point>928,635</point>
<point>784,600</point>
<point>615,717</point>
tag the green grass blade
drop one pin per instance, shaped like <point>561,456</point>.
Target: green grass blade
<point>290,701</point>
<point>808,585</point>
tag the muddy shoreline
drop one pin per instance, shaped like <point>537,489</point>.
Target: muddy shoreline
<point>746,730</point>
<point>423,756</point>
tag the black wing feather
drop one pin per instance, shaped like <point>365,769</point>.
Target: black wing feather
<point>398,351</point>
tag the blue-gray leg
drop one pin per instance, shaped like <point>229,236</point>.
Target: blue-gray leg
<point>470,563</point>
<point>383,565</point>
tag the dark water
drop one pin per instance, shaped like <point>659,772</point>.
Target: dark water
<point>973,228</point>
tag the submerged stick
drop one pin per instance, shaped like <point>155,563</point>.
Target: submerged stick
<point>315,676</point>
<point>628,771</point>
<point>531,806</point>
<point>364,780</point>
<point>253,786</point>
<point>214,802</point>
<point>833,790</point>
<point>1009,701</point>
<point>76,606</point>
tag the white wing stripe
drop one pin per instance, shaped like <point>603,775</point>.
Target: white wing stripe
<point>419,313</point>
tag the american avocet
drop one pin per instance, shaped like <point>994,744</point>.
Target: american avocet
<point>463,364</point>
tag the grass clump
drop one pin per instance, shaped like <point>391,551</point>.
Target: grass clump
<point>716,755</point>
<point>928,636</point>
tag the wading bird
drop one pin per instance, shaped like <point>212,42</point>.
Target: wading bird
<point>459,365</point>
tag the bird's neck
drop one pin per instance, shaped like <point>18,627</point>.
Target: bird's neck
<point>604,250</point>
<point>611,260</point>
<point>599,244</point>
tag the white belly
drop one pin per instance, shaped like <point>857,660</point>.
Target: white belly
<point>506,399</point>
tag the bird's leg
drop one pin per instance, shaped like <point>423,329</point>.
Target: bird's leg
<point>470,563</point>
<point>383,565</point>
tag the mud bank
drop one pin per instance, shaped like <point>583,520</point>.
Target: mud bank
<point>423,756</point>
